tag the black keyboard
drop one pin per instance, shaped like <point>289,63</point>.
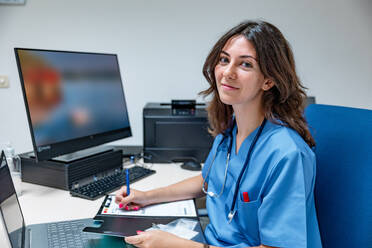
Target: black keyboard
<point>110,183</point>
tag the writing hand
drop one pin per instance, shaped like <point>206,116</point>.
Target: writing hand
<point>134,201</point>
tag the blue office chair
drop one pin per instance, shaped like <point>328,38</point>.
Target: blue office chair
<point>343,187</point>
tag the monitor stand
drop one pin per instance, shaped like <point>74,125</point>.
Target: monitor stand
<point>82,154</point>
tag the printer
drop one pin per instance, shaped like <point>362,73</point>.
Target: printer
<point>176,132</point>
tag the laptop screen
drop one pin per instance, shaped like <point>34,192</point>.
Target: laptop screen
<point>9,207</point>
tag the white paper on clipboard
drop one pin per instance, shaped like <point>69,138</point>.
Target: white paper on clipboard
<point>185,208</point>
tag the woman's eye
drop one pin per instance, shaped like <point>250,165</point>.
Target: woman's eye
<point>224,60</point>
<point>247,65</point>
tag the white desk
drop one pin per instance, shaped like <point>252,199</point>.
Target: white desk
<point>45,204</point>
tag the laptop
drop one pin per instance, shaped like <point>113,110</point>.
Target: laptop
<point>64,234</point>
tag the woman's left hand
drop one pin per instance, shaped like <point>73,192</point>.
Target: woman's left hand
<point>155,239</point>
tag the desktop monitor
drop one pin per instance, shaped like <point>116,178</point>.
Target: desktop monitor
<point>74,100</point>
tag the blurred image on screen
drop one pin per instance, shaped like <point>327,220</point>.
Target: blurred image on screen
<point>72,95</point>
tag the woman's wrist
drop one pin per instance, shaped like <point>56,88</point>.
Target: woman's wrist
<point>154,196</point>
<point>149,197</point>
<point>192,244</point>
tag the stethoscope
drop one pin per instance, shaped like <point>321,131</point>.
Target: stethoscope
<point>228,133</point>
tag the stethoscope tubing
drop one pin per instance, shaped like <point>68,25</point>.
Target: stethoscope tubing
<point>246,163</point>
<point>245,166</point>
<point>229,134</point>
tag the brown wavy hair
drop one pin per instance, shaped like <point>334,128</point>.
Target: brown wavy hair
<point>285,101</point>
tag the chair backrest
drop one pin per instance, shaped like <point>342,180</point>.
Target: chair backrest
<point>343,187</point>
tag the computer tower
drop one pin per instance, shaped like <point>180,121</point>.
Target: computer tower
<point>175,133</point>
<point>64,175</point>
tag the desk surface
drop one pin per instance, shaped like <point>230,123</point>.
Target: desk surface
<point>45,204</point>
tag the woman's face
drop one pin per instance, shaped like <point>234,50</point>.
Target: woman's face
<point>238,76</point>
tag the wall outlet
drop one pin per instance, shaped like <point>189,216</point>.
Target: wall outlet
<point>4,81</point>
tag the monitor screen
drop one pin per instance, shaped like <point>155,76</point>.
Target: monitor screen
<point>74,100</point>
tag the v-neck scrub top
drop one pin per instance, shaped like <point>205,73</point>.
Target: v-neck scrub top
<point>279,181</point>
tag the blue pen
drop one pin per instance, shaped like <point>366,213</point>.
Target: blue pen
<point>128,187</point>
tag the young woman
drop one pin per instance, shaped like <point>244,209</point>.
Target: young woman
<point>259,176</point>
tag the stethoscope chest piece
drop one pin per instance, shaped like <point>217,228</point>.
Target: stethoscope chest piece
<point>231,215</point>
<point>211,194</point>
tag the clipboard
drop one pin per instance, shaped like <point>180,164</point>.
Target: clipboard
<point>127,225</point>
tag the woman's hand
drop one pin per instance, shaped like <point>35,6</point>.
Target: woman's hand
<point>186,189</point>
<point>156,239</point>
<point>134,201</point>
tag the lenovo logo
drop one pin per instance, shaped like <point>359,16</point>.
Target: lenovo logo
<point>43,148</point>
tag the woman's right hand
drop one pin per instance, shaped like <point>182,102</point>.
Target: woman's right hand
<point>134,201</point>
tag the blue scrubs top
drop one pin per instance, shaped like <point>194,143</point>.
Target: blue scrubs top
<point>279,181</point>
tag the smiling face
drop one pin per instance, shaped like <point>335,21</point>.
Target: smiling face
<point>239,79</point>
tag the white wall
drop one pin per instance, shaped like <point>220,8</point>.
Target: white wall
<point>162,46</point>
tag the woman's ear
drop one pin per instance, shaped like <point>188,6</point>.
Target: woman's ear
<point>268,84</point>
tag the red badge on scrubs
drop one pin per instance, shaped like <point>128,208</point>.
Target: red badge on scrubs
<point>245,197</point>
